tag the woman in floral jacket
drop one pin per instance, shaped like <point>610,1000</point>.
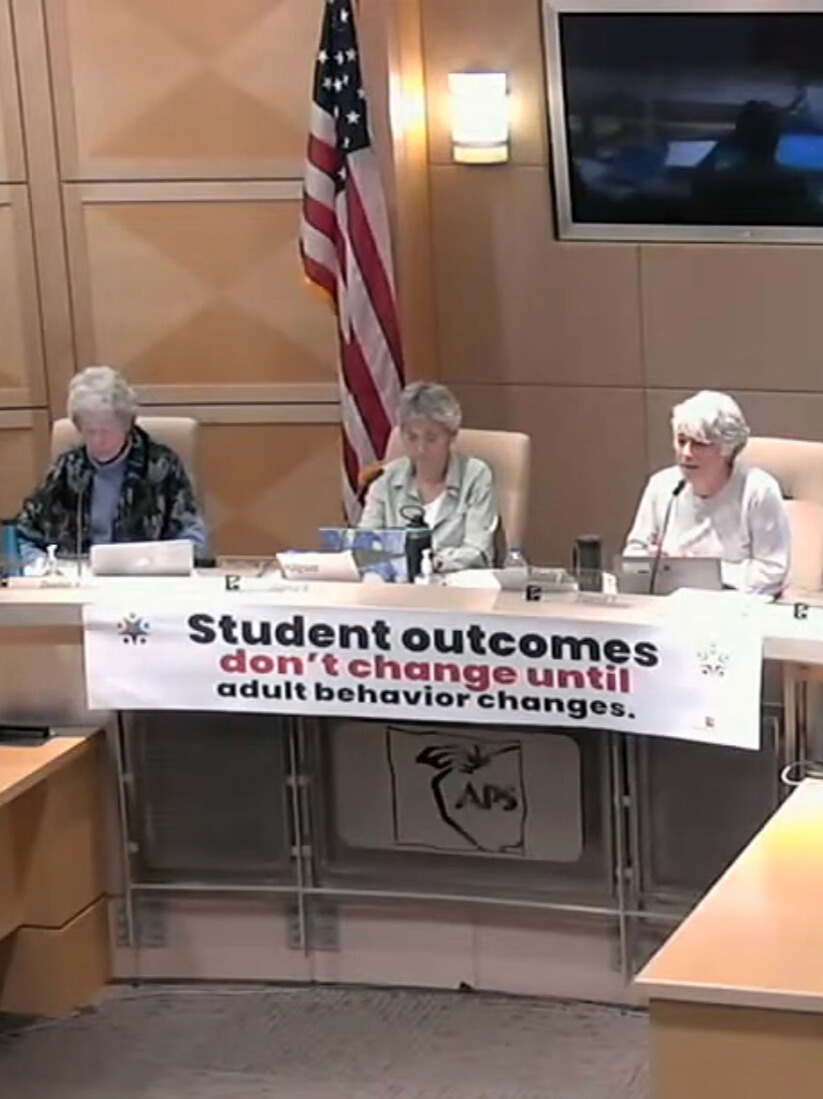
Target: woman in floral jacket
<point>119,485</point>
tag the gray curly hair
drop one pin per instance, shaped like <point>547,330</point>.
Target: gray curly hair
<point>712,417</point>
<point>101,389</point>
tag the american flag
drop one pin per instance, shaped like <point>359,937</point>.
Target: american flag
<point>346,247</point>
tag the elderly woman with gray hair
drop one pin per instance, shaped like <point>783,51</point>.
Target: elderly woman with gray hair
<point>717,505</point>
<point>119,485</point>
<point>453,493</point>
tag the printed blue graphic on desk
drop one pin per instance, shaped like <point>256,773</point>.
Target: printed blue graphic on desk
<point>377,552</point>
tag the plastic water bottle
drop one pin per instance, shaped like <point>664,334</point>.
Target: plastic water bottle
<point>426,568</point>
<point>516,559</point>
<point>9,549</point>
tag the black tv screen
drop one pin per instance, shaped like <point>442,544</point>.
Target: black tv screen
<point>687,124</point>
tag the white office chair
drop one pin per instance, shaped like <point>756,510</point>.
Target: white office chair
<point>508,454</point>
<point>178,432</point>
<point>797,466</point>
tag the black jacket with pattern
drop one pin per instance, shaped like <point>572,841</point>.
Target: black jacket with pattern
<point>156,499</point>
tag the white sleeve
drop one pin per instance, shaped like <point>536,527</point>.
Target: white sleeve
<point>766,571</point>
<point>644,530</point>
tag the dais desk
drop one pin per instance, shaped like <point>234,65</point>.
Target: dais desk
<point>41,665</point>
<point>54,945</point>
<point>737,992</point>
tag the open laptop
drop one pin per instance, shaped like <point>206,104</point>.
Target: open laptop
<point>634,574</point>
<point>143,559</point>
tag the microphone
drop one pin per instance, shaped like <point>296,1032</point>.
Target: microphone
<point>78,533</point>
<point>678,488</point>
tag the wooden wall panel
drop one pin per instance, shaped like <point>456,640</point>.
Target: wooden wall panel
<point>22,382</point>
<point>576,432</point>
<point>269,485</point>
<point>197,286</point>
<point>23,454</point>
<point>12,159</point>
<point>515,306</point>
<point>23,428</point>
<point>182,131</point>
<point>166,143</point>
<point>724,317</point>
<point>43,181</point>
<point>182,88</point>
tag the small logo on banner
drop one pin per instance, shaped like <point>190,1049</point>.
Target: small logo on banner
<point>133,629</point>
<point>713,662</point>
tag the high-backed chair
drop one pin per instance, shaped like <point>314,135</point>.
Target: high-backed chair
<point>178,432</point>
<point>797,466</point>
<point>508,454</point>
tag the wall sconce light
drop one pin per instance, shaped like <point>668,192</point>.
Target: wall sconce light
<point>480,117</point>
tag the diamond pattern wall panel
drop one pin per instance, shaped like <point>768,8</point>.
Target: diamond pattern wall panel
<point>270,486</point>
<point>198,293</point>
<point>21,365</point>
<point>183,89</point>
<point>22,452</point>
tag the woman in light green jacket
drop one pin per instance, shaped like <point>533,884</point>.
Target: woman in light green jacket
<point>453,493</point>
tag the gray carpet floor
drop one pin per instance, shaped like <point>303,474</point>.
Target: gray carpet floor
<point>327,1043</point>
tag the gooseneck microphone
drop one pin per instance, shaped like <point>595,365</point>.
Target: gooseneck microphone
<point>79,533</point>
<point>678,488</point>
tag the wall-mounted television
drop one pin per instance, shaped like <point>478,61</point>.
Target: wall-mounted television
<point>686,121</point>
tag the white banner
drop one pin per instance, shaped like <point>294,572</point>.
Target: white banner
<point>695,680</point>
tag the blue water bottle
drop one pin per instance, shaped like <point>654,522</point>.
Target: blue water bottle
<point>9,548</point>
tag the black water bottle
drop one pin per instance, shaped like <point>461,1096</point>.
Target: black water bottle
<point>418,538</point>
<point>587,562</point>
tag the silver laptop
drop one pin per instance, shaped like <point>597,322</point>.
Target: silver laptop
<point>634,574</point>
<point>143,559</point>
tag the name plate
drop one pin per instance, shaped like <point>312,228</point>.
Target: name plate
<point>272,585</point>
<point>793,632</point>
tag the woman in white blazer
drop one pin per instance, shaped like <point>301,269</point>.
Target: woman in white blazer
<point>712,504</point>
